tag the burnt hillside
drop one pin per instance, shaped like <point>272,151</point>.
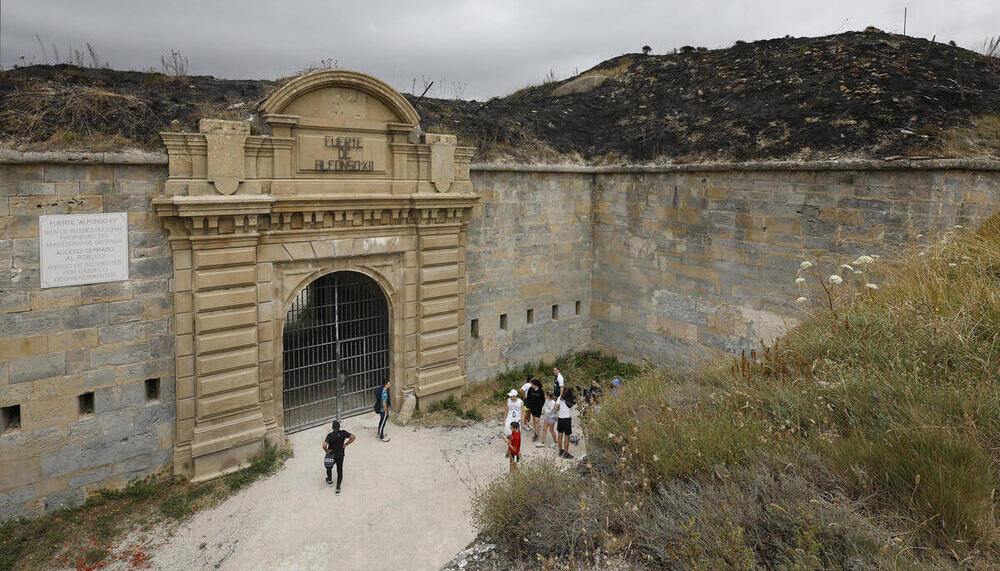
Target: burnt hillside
<point>857,94</point>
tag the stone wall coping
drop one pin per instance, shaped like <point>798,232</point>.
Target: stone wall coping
<point>138,157</point>
<point>127,157</point>
<point>845,165</point>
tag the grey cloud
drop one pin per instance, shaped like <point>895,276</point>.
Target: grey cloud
<point>489,47</point>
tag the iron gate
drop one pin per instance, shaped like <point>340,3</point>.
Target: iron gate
<point>336,349</point>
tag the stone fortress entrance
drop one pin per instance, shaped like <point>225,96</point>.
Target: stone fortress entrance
<point>311,264</point>
<point>336,349</point>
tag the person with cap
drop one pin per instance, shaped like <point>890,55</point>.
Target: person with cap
<point>334,445</point>
<point>515,411</point>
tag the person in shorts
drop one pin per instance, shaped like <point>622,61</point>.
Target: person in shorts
<point>334,445</point>
<point>515,411</point>
<point>534,399</point>
<point>564,424</point>
<point>548,421</point>
<point>514,445</point>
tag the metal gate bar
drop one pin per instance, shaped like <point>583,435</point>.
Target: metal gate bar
<point>336,349</point>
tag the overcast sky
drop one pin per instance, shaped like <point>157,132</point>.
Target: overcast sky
<point>474,49</point>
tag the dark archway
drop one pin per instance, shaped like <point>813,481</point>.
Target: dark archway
<point>336,349</point>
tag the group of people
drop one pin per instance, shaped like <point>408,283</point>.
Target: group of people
<point>547,413</point>
<point>544,412</point>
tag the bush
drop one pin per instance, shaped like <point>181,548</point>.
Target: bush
<point>264,464</point>
<point>537,510</point>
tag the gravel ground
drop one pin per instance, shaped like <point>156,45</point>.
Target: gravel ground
<point>411,494</point>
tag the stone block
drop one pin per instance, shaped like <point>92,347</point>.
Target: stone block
<point>77,360</point>
<point>84,316</point>
<point>122,311</point>
<point>161,266</point>
<point>120,354</point>
<point>37,367</point>
<point>55,298</point>
<point>128,331</point>
<point>106,292</point>
<point>16,347</point>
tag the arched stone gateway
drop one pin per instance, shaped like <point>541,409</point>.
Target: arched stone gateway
<point>336,349</point>
<point>344,182</point>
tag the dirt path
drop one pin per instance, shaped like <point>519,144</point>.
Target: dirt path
<point>410,495</point>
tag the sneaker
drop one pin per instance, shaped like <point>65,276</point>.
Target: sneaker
<point>534,438</point>
<point>329,482</point>
<point>338,491</point>
<point>539,445</point>
<point>561,453</point>
<point>385,439</point>
<point>568,456</point>
<point>552,445</point>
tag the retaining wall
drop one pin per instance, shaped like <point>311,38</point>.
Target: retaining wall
<point>106,340</point>
<point>662,264</point>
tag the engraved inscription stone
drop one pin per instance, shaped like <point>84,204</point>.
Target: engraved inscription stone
<point>78,249</point>
<point>356,154</point>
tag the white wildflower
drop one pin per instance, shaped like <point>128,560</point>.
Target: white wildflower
<point>800,280</point>
<point>864,260</point>
<point>834,279</point>
<point>656,458</point>
<point>952,265</point>
<point>871,286</point>
<point>611,435</point>
<point>857,272</point>
<point>846,267</point>
<point>805,265</point>
<point>801,300</point>
<point>959,226</point>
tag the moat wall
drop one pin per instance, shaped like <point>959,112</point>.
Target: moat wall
<point>652,264</point>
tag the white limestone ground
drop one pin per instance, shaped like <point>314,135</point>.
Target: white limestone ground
<point>410,496</point>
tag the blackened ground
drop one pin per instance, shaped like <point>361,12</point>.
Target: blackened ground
<point>856,94</point>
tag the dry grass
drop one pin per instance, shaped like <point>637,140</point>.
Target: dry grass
<point>980,139</point>
<point>67,114</point>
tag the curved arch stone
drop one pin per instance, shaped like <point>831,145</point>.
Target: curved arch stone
<point>280,99</point>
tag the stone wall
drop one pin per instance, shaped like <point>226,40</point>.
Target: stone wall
<point>689,258</point>
<point>104,339</point>
<point>529,248</point>
<point>653,264</point>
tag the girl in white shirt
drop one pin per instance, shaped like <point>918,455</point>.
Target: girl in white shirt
<point>548,421</point>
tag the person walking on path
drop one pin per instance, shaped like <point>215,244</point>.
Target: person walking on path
<point>515,411</point>
<point>527,413</point>
<point>548,421</point>
<point>564,423</point>
<point>383,411</point>
<point>557,386</point>
<point>534,399</point>
<point>514,445</point>
<point>334,446</point>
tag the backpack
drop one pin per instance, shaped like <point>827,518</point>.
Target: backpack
<point>570,398</point>
<point>378,400</point>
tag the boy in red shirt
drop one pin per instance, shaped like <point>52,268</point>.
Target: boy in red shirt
<point>514,445</point>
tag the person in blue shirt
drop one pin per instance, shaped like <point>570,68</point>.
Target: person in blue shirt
<point>384,412</point>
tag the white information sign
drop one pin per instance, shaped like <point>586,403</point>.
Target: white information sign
<point>80,249</point>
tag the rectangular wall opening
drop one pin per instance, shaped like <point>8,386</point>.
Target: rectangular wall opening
<point>474,328</point>
<point>530,316</point>
<point>85,403</point>
<point>503,321</point>
<point>10,418</point>
<point>152,390</point>
<point>579,307</point>
<point>555,311</point>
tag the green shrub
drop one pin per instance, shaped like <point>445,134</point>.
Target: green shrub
<point>263,464</point>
